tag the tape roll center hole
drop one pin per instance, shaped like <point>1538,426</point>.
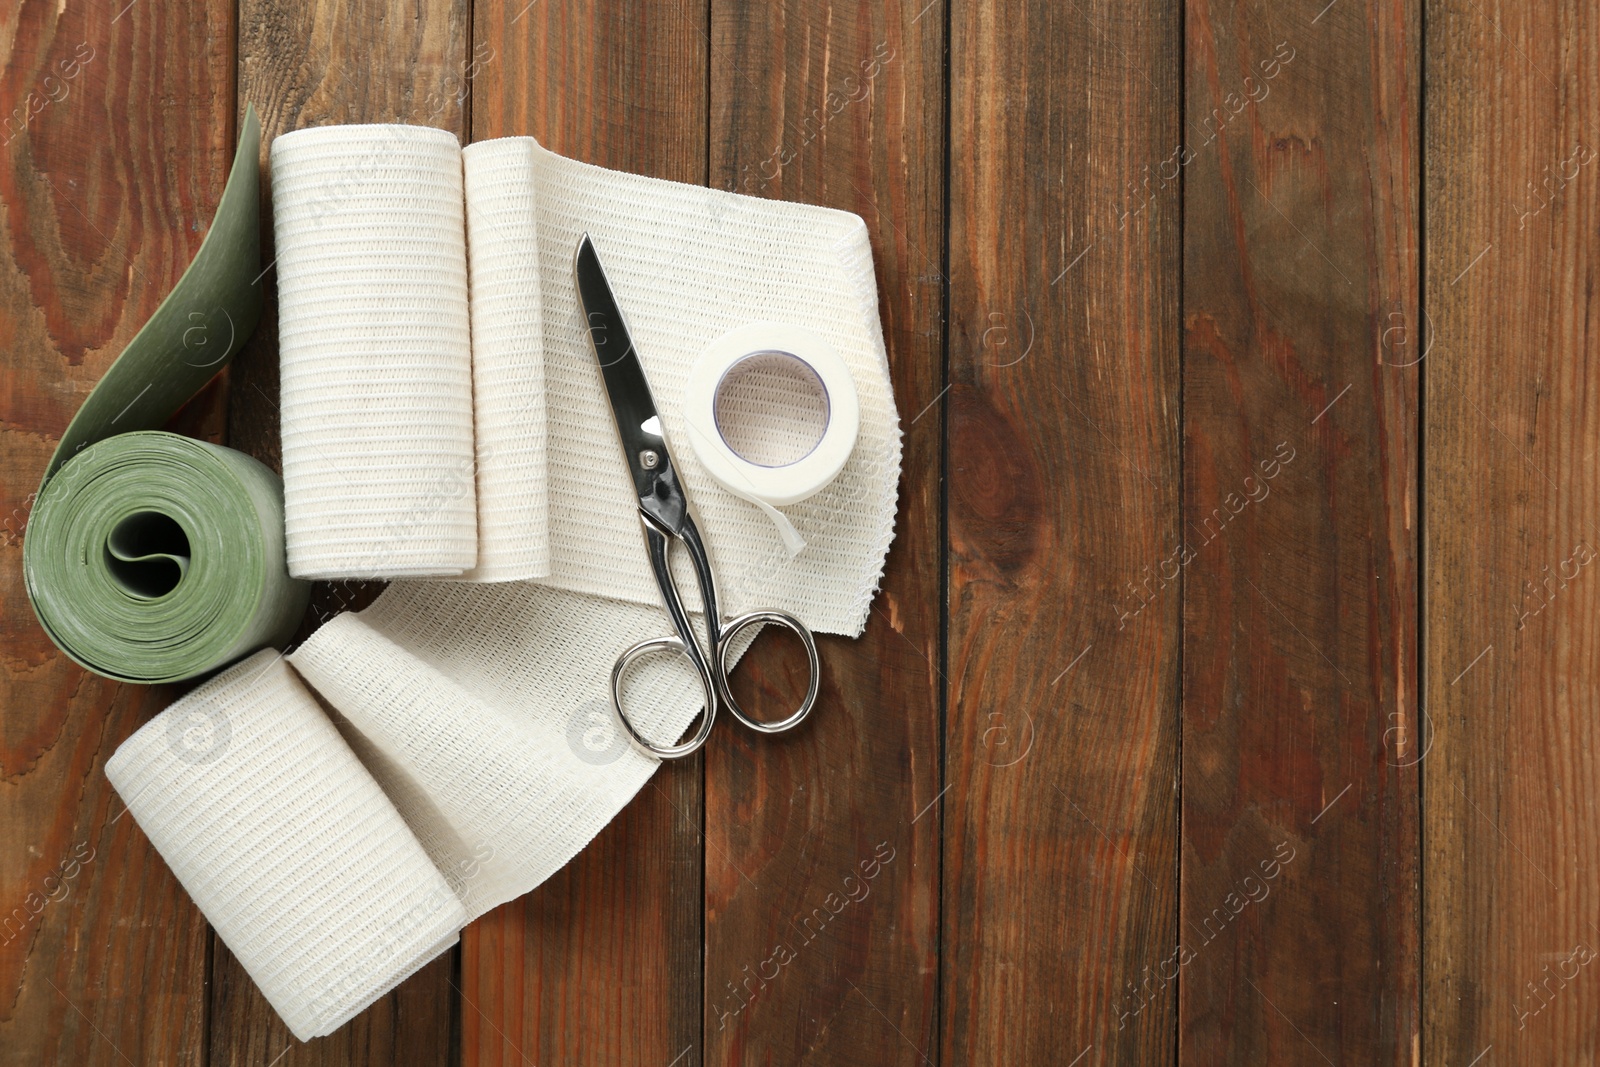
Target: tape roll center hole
<point>771,409</point>
<point>147,554</point>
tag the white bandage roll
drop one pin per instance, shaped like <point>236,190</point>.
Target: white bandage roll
<point>375,352</point>
<point>286,843</point>
<point>753,405</point>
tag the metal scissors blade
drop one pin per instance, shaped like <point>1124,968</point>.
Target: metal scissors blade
<point>644,446</point>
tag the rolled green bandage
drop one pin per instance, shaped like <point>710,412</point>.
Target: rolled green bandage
<point>155,557</point>
<point>151,557</point>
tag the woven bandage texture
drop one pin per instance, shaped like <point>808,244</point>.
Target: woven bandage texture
<point>504,763</point>
<point>507,362</point>
<point>287,844</point>
<point>374,352</point>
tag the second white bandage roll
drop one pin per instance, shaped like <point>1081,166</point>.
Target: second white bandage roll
<point>287,844</point>
<point>375,352</point>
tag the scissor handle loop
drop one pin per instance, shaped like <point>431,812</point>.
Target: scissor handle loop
<point>709,717</point>
<point>780,618</point>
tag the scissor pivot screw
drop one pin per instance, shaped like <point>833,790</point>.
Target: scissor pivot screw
<point>649,459</point>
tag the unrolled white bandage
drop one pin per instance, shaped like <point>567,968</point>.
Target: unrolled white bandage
<point>771,480</point>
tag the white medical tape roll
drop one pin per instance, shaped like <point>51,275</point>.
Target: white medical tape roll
<point>708,408</point>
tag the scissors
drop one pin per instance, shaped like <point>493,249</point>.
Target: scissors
<point>666,517</point>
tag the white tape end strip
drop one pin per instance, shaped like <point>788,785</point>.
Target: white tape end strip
<point>793,543</point>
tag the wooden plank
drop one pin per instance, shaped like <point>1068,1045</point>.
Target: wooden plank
<point>1064,470</point>
<point>1300,906</point>
<point>843,107</point>
<point>601,964</point>
<point>117,136</point>
<point>306,63</point>
<point>1063,715</point>
<point>1513,413</point>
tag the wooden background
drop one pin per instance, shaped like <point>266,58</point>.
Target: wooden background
<point>1232,694</point>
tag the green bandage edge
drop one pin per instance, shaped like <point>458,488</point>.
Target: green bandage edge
<point>168,361</point>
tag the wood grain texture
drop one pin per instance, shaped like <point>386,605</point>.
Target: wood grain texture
<point>1300,807</point>
<point>117,134</point>
<point>1513,415</point>
<point>602,963</point>
<point>1063,442</point>
<point>314,63</point>
<point>821,882</point>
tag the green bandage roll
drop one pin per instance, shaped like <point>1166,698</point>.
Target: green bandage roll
<point>153,557</point>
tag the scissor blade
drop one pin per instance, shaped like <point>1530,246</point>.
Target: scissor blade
<point>638,423</point>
